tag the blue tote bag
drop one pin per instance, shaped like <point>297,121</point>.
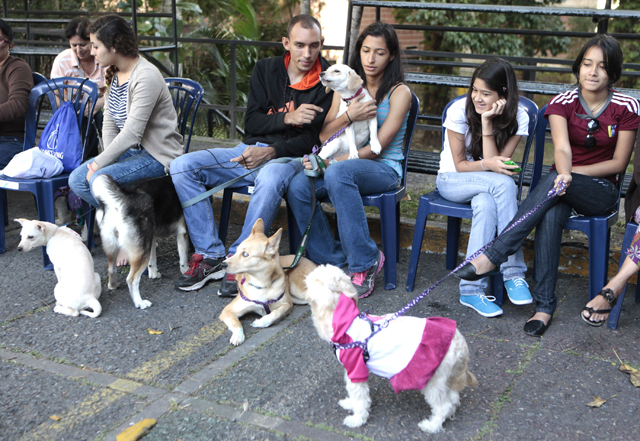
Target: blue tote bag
<point>61,136</point>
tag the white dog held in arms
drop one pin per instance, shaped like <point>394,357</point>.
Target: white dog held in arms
<point>345,81</point>
<point>78,286</point>
<point>426,354</point>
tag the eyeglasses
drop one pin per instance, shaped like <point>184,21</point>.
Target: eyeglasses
<point>3,41</point>
<point>592,127</point>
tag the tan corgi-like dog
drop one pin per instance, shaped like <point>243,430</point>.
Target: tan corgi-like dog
<point>263,286</point>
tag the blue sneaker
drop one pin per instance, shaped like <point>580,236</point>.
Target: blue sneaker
<point>482,304</point>
<point>518,291</point>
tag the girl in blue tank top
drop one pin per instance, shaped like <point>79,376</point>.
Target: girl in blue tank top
<point>377,59</point>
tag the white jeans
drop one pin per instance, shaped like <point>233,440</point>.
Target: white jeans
<point>494,204</point>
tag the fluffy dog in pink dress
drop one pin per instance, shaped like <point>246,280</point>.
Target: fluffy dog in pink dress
<point>426,354</point>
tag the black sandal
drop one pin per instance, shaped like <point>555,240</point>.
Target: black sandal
<point>608,294</point>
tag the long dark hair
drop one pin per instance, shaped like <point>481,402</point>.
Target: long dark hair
<point>115,33</point>
<point>499,76</point>
<point>394,72</point>
<point>611,52</point>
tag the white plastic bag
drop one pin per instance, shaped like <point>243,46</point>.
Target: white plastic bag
<point>33,163</point>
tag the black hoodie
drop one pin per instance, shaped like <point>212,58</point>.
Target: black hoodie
<point>264,119</point>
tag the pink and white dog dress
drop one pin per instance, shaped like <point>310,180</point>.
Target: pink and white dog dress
<point>407,352</point>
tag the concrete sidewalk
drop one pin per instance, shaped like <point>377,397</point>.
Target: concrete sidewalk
<point>67,378</point>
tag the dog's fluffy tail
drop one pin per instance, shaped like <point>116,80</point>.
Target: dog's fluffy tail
<point>107,191</point>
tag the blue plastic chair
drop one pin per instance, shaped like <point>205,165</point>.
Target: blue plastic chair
<point>389,205</point>
<point>38,78</point>
<point>629,232</point>
<point>43,189</point>
<point>434,203</point>
<point>187,96</point>
<point>597,228</point>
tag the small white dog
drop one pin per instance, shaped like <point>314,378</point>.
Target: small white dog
<point>429,354</point>
<point>345,81</point>
<point>78,286</point>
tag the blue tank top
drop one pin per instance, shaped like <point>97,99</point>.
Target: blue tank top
<point>393,154</point>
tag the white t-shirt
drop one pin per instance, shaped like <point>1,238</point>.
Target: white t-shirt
<point>457,122</point>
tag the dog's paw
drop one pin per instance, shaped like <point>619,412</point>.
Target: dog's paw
<point>263,322</point>
<point>354,421</point>
<point>154,273</point>
<point>65,310</point>
<point>184,268</point>
<point>354,155</point>
<point>430,426</point>
<point>112,285</point>
<point>143,304</point>
<point>376,147</point>
<point>345,404</point>
<point>237,337</point>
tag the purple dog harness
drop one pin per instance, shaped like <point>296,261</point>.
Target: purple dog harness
<point>265,305</point>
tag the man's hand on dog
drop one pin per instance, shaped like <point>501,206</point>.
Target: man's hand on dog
<point>302,115</point>
<point>359,111</point>
<point>253,156</point>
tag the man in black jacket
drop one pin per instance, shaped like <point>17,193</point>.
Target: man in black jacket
<point>285,113</point>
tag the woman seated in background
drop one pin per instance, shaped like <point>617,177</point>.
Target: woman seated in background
<point>16,82</point>
<point>593,129</point>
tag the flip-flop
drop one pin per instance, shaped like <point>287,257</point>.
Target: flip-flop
<point>608,294</point>
<point>592,311</point>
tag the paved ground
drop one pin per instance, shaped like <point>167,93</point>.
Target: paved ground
<point>89,379</point>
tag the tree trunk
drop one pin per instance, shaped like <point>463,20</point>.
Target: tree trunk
<point>356,18</point>
<point>305,7</point>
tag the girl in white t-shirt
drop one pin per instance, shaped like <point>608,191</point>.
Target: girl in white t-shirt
<point>483,131</point>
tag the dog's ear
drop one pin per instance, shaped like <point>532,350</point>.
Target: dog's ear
<point>258,227</point>
<point>354,81</point>
<point>21,221</point>
<point>41,226</point>
<point>273,244</point>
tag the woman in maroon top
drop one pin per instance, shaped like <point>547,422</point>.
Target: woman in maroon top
<point>15,84</point>
<point>593,129</point>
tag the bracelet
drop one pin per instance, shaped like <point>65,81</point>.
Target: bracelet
<point>91,167</point>
<point>482,165</point>
<point>348,117</point>
<point>332,160</point>
<point>487,135</point>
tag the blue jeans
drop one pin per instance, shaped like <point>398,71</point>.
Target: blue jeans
<point>133,165</point>
<point>194,172</point>
<point>494,202</point>
<point>343,183</point>
<point>586,195</point>
<point>9,147</point>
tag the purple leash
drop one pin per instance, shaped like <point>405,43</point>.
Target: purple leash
<point>317,149</point>
<point>363,344</point>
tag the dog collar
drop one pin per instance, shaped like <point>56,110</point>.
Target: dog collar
<point>256,286</point>
<point>357,93</point>
<point>265,305</point>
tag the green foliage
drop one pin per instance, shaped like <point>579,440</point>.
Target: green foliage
<point>470,42</point>
<point>630,48</point>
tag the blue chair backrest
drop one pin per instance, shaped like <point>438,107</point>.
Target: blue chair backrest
<point>532,111</point>
<point>57,92</point>
<point>38,78</point>
<point>411,125</point>
<point>187,96</point>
